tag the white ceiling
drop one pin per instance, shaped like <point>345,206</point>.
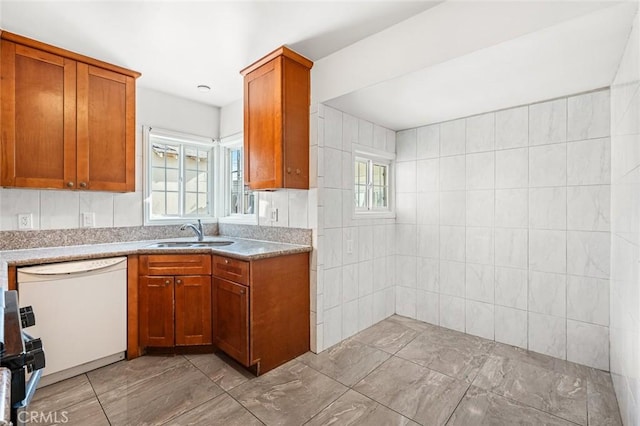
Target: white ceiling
<point>573,56</point>
<point>178,44</point>
<point>398,63</point>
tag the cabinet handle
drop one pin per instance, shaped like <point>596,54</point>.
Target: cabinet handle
<point>70,184</point>
<point>83,184</point>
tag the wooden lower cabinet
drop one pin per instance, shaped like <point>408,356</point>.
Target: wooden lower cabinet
<point>256,311</point>
<point>174,300</point>
<point>156,311</point>
<point>231,318</point>
<point>264,323</point>
<point>175,311</point>
<point>193,310</point>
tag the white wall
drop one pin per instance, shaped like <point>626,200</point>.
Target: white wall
<point>350,289</point>
<point>52,209</point>
<point>504,219</point>
<point>232,118</point>
<point>625,227</point>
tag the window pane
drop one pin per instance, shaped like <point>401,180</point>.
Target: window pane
<point>164,155</point>
<point>379,174</point>
<point>173,204</point>
<point>238,201</point>
<point>158,176</point>
<point>158,201</point>
<point>360,172</point>
<point>180,177</point>
<point>379,197</point>
<point>361,196</point>
<point>249,200</point>
<point>196,181</point>
<point>196,203</point>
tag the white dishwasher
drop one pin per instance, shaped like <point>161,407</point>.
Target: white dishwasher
<point>81,313</point>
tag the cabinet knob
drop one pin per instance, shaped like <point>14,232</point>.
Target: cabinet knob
<point>70,184</point>
<point>178,281</point>
<point>226,261</point>
<point>297,171</point>
<point>289,170</point>
<point>242,291</point>
<point>83,184</point>
<point>167,282</point>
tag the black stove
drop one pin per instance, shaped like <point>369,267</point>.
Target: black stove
<point>20,354</point>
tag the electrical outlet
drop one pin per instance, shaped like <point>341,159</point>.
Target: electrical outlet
<point>88,219</point>
<point>25,221</point>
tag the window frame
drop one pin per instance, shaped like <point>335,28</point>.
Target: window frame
<point>227,144</point>
<point>184,139</point>
<point>373,157</point>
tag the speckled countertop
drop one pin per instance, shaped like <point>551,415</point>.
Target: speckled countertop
<point>241,248</point>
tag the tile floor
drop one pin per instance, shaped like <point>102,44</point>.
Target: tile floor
<point>398,372</point>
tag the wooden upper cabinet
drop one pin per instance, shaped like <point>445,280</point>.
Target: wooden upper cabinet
<point>106,129</point>
<point>276,121</point>
<point>67,121</point>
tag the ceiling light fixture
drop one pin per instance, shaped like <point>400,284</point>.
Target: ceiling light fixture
<point>204,88</point>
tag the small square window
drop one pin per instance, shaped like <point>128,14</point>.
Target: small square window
<point>372,186</point>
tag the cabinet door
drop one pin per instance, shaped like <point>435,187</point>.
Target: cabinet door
<point>156,311</point>
<point>106,130</point>
<point>193,310</point>
<point>231,319</point>
<point>263,126</point>
<point>38,118</point>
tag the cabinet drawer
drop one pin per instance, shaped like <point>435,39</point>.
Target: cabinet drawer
<point>175,264</point>
<point>231,269</point>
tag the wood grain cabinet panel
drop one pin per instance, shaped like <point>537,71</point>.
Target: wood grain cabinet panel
<point>265,323</point>
<point>68,121</point>
<point>276,121</point>
<point>156,313</point>
<point>193,310</point>
<point>231,318</point>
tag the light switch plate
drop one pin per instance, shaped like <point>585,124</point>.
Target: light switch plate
<point>25,221</point>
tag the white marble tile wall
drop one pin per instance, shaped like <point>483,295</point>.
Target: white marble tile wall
<point>624,292</point>
<point>354,265</point>
<point>511,214</point>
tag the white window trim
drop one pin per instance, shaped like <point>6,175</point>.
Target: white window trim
<point>179,137</point>
<point>224,216</point>
<point>381,157</point>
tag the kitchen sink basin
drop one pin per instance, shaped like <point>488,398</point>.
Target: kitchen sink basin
<point>191,244</point>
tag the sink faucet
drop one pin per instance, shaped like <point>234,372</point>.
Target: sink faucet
<point>196,229</point>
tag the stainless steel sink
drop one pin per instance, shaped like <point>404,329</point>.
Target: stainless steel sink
<point>190,244</point>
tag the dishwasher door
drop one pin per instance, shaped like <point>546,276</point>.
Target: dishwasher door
<point>81,313</point>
